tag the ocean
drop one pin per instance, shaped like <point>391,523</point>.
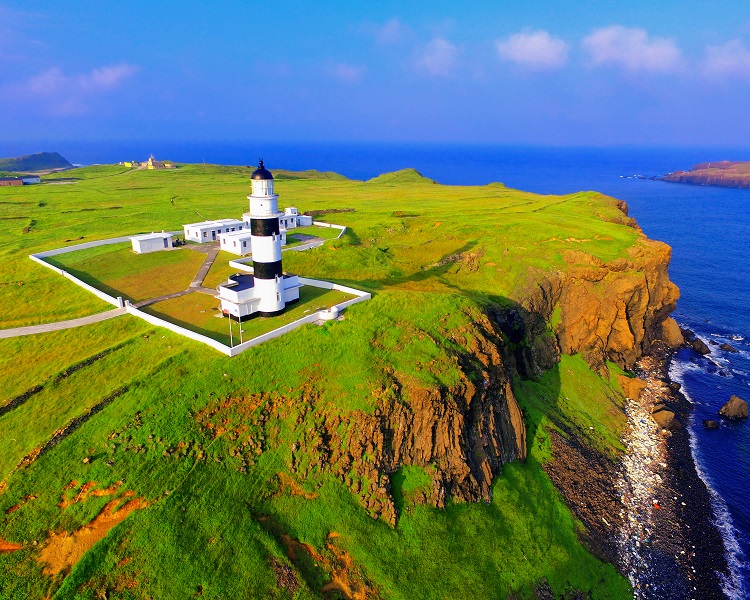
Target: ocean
<point>708,229</point>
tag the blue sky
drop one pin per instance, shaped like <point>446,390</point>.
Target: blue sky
<point>543,72</point>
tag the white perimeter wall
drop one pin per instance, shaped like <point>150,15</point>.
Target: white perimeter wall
<point>229,351</point>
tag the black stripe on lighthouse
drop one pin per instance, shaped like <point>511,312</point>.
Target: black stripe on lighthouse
<point>264,227</point>
<point>267,270</point>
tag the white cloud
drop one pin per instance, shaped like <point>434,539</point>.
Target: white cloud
<point>726,60</point>
<point>391,32</point>
<point>534,50</point>
<point>438,58</point>
<point>346,72</point>
<point>632,49</point>
<point>70,94</point>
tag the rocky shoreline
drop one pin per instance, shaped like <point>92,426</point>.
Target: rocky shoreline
<point>669,546</point>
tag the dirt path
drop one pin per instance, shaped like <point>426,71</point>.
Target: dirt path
<point>34,329</point>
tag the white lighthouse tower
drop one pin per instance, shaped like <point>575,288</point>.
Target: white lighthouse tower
<point>266,243</point>
<point>267,291</point>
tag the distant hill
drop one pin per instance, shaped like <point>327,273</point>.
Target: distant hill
<point>724,173</point>
<point>400,177</point>
<point>41,161</point>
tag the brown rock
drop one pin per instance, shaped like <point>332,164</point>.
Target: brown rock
<point>700,347</point>
<point>632,386</point>
<point>665,419</point>
<point>709,424</point>
<point>735,409</point>
<point>728,348</point>
<point>671,334</point>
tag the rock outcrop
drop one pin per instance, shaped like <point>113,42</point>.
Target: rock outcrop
<point>700,347</point>
<point>735,408</point>
<point>609,311</point>
<point>461,435</point>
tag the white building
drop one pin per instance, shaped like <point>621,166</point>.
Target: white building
<point>241,296</point>
<point>209,231</point>
<point>268,290</point>
<point>29,179</point>
<point>289,219</point>
<point>151,242</point>
<point>240,242</point>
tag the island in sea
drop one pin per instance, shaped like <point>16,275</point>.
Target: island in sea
<point>495,422</point>
<point>724,173</point>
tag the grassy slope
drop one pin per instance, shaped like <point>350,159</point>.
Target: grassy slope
<point>210,524</point>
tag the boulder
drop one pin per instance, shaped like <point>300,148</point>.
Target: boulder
<point>713,343</point>
<point>700,347</point>
<point>709,424</point>
<point>735,409</point>
<point>728,348</point>
<point>631,386</point>
<point>671,334</point>
<point>675,386</point>
<point>688,335</point>
<point>658,407</point>
<point>665,419</point>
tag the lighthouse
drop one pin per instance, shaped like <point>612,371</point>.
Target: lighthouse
<point>266,243</point>
<point>268,290</point>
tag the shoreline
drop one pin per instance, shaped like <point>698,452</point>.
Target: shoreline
<point>670,546</point>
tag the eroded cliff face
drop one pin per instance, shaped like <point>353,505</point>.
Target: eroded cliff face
<point>459,435</point>
<point>608,310</point>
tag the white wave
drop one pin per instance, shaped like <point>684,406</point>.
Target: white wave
<point>732,585</point>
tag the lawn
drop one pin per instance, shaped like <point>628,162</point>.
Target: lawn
<point>198,312</point>
<point>118,271</point>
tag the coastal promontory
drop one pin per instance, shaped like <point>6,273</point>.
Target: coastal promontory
<point>723,173</point>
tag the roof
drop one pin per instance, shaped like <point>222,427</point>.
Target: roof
<point>261,172</point>
<point>215,223</point>
<point>239,282</point>
<point>152,236</point>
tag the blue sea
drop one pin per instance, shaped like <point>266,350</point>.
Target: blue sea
<point>707,227</point>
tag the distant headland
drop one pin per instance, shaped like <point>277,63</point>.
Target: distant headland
<point>724,173</point>
<point>32,163</point>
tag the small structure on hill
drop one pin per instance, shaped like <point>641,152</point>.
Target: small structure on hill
<point>131,163</point>
<point>10,181</point>
<point>151,242</point>
<point>208,231</point>
<point>268,290</point>
<point>152,163</point>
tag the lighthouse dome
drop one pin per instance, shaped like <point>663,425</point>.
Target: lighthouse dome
<point>261,172</point>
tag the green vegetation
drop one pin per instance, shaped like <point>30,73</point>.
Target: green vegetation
<point>213,444</point>
<point>200,312</point>
<point>118,271</point>
<point>41,161</point>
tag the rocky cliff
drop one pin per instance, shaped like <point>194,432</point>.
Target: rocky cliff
<point>608,311</point>
<point>461,435</point>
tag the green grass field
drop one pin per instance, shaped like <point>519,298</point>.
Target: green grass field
<point>122,401</point>
<point>118,271</point>
<point>198,313</point>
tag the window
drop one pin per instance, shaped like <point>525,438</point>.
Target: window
<point>244,244</point>
<point>235,244</point>
<point>205,234</point>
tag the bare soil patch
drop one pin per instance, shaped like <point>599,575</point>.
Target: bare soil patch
<point>63,550</point>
